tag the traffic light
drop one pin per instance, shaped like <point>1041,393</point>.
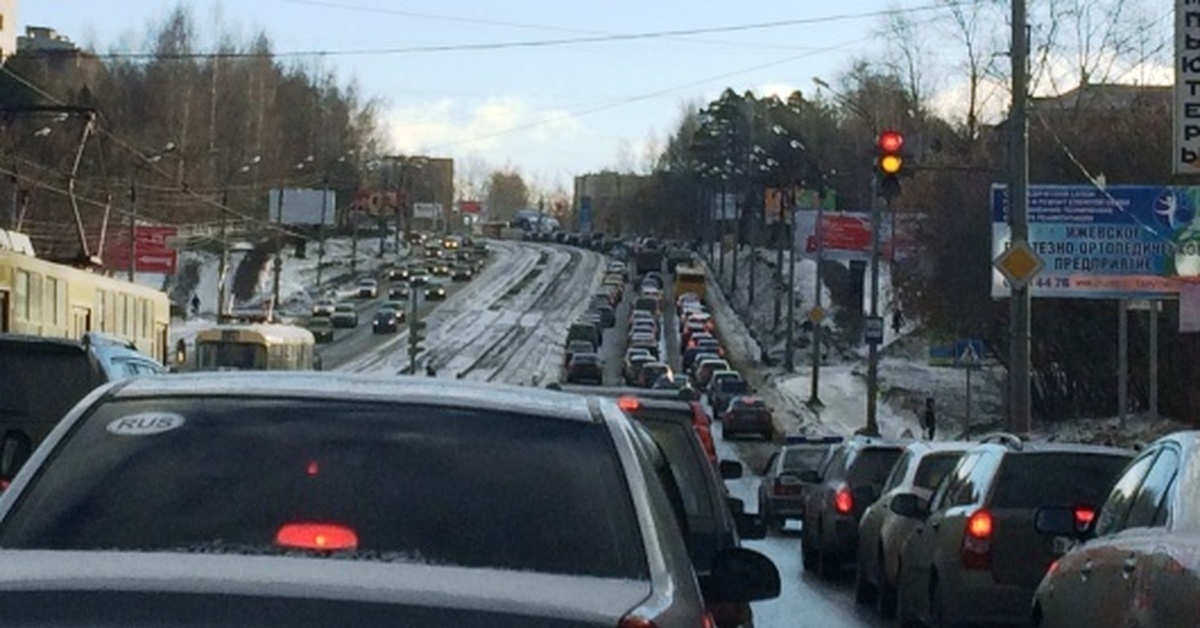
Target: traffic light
<point>416,333</point>
<point>890,162</point>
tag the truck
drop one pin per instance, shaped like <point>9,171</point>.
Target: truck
<point>648,256</point>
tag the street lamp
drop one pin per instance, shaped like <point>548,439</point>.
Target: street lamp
<point>154,158</point>
<point>279,238</point>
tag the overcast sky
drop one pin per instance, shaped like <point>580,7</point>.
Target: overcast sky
<point>553,111</point>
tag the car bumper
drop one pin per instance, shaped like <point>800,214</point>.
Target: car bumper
<point>786,507</point>
<point>974,597</point>
<point>747,424</point>
<point>344,323</point>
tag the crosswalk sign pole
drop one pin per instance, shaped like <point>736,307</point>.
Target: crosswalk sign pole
<point>967,420</point>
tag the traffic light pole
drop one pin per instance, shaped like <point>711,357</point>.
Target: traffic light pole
<point>872,428</point>
<point>814,399</point>
<point>414,332</point>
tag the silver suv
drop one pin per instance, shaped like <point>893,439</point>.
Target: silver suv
<point>977,557</point>
<point>461,488</point>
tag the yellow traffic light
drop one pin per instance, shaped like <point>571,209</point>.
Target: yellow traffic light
<point>891,164</point>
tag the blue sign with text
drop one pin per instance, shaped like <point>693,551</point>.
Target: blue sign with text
<point>1122,241</point>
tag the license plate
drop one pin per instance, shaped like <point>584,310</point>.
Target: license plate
<point>1063,544</point>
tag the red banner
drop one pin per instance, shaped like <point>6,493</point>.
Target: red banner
<point>153,254</point>
<point>470,207</point>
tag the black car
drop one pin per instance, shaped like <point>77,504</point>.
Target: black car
<point>399,274</point>
<point>399,292</point>
<point>851,480</point>
<point>435,292</point>
<point>585,368</point>
<point>295,499</point>
<point>462,272</point>
<point>385,322</point>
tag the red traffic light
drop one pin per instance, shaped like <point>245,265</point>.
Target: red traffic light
<point>890,142</point>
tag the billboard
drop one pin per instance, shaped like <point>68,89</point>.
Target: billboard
<point>470,207</point>
<point>847,235</point>
<point>1123,241</point>
<point>585,214</point>
<point>153,253</point>
<point>427,211</point>
<point>303,207</point>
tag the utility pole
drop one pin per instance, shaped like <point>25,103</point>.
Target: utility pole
<point>777,240</point>
<point>132,228</point>
<point>415,326</point>
<point>1019,402</point>
<point>814,399</point>
<point>721,235</point>
<point>278,253</point>
<point>224,266</point>
<point>789,360</point>
<point>321,229</point>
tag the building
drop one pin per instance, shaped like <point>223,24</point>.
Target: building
<point>8,27</point>
<point>601,201</point>
<point>44,39</point>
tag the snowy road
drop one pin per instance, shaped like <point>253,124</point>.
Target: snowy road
<point>507,325</point>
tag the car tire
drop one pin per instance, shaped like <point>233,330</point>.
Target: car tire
<point>864,593</point>
<point>808,554</point>
<point>904,616</point>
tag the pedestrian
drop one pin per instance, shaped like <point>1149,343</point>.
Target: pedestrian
<point>430,371</point>
<point>929,419</point>
<point>195,305</point>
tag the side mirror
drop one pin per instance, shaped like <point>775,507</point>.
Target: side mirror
<point>1066,522</point>
<point>731,469</point>
<point>909,505</point>
<point>810,476</point>
<point>741,575</point>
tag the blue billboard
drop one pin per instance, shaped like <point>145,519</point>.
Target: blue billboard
<point>585,214</point>
<point>1123,241</point>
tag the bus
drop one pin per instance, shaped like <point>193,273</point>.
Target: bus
<point>690,278</point>
<point>46,299</point>
<point>256,347</point>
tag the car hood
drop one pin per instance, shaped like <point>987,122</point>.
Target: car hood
<point>576,599</point>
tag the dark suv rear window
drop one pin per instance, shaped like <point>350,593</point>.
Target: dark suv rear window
<point>872,465</point>
<point>1033,480</point>
<point>424,484</point>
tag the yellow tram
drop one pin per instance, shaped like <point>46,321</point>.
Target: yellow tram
<point>256,347</point>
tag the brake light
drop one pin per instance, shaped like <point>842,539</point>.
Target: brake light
<point>1084,517</point>
<point>4,484</point>
<point>628,404</point>
<point>843,501</point>
<point>633,621</point>
<point>977,542</point>
<point>317,536</point>
<point>313,468</point>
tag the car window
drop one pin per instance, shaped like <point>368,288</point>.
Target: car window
<point>1120,498</point>
<point>836,465</point>
<point>798,459</point>
<point>899,471</point>
<point>679,443</point>
<point>1152,496</point>
<point>417,483</point>
<point>872,465</point>
<point>934,467</point>
<point>1034,480</point>
<point>948,491</point>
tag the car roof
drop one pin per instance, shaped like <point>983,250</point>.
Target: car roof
<point>467,588</point>
<point>352,387</point>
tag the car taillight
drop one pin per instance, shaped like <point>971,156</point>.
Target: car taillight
<point>843,501</point>
<point>1084,517</point>
<point>317,536</point>
<point>633,621</point>
<point>977,541</point>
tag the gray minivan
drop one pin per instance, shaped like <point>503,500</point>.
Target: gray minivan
<point>43,378</point>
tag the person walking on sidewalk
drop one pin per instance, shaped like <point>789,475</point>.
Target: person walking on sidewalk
<point>928,419</point>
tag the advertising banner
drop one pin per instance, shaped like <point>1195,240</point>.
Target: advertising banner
<point>1123,241</point>
<point>303,207</point>
<point>1185,153</point>
<point>585,214</point>
<point>847,235</point>
<point>154,255</point>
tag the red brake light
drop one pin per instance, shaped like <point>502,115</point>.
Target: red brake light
<point>313,468</point>
<point>1084,517</point>
<point>980,525</point>
<point>633,621</point>
<point>4,484</point>
<point>843,501</point>
<point>977,542</point>
<point>628,404</point>
<point>317,536</point>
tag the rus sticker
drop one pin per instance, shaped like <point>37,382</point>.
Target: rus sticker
<point>145,424</point>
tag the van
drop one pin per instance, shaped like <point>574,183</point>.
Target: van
<point>43,378</point>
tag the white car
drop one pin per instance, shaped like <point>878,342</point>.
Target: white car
<point>368,289</point>
<point>324,307</point>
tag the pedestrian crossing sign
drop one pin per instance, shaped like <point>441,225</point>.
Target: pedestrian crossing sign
<point>968,353</point>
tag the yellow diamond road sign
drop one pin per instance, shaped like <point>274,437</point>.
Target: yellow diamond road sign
<point>1019,264</point>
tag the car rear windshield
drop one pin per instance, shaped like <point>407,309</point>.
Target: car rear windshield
<point>873,464</point>
<point>1034,480</point>
<point>733,385</point>
<point>798,459</point>
<point>415,483</point>
<point>934,467</point>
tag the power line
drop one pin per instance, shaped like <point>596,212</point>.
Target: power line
<point>541,43</point>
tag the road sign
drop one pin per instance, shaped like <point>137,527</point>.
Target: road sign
<point>1019,264</point>
<point>873,330</point>
<point>816,315</point>
<point>968,353</point>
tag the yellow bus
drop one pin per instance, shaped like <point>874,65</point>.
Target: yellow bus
<point>690,278</point>
<point>255,347</point>
<point>41,298</point>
